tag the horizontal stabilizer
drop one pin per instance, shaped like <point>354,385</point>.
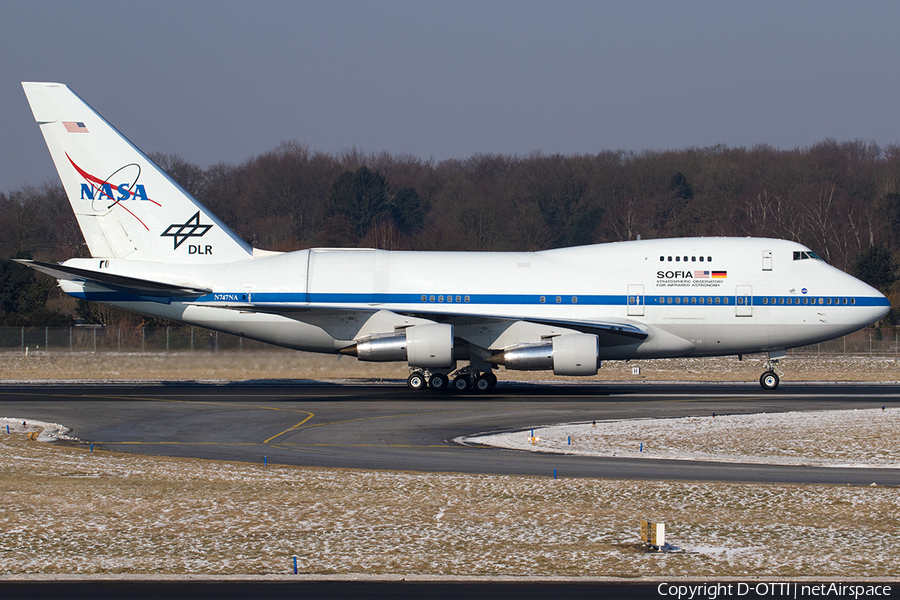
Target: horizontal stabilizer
<point>119,283</point>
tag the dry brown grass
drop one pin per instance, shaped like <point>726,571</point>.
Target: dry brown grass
<point>255,365</point>
<point>63,510</point>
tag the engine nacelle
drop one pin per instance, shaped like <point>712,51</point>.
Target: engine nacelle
<point>426,346</point>
<point>574,354</point>
<point>430,346</point>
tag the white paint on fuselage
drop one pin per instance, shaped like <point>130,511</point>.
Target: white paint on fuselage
<point>587,284</point>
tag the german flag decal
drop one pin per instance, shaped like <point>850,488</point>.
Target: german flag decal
<point>719,274</point>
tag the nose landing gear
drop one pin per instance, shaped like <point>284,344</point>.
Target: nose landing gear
<point>770,379</point>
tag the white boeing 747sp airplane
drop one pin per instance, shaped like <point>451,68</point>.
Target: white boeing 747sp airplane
<point>158,251</point>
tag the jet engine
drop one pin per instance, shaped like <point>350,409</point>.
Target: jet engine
<point>573,354</point>
<point>426,346</point>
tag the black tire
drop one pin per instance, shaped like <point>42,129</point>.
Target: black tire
<point>461,384</point>
<point>416,381</point>
<point>769,380</point>
<point>438,381</point>
<point>484,383</point>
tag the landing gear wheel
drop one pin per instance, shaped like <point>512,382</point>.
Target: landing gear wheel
<point>438,381</point>
<point>416,381</point>
<point>461,384</point>
<point>769,380</point>
<point>484,382</point>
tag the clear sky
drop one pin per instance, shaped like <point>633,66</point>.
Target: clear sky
<point>222,81</point>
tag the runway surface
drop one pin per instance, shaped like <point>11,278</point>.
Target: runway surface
<point>387,426</point>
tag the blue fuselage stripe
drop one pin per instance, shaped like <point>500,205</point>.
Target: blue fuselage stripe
<point>318,298</point>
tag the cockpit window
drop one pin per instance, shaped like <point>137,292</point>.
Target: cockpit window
<point>806,254</point>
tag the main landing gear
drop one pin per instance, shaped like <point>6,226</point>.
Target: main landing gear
<point>464,380</point>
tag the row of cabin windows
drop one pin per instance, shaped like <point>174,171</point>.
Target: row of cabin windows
<point>426,298</point>
<point>828,301</point>
<point>692,300</point>
<point>686,300</point>
<point>741,300</point>
<point>679,258</point>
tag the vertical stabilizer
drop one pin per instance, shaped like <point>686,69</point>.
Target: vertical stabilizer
<point>126,206</point>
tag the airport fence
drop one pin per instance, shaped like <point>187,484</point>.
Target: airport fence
<point>100,338</point>
<point>881,341</point>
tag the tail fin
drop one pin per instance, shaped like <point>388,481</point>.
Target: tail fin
<point>126,206</point>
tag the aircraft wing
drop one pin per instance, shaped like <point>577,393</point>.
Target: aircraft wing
<point>119,283</point>
<point>610,332</point>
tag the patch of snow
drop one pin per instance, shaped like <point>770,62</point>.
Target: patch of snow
<point>47,432</point>
<point>839,438</point>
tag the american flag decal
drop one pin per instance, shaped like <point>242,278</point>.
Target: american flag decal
<point>701,274</point>
<point>75,127</point>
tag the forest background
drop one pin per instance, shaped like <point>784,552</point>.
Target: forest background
<point>842,199</point>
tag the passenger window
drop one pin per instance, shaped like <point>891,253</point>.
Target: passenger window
<point>806,301</point>
<point>852,300</point>
<point>424,298</point>
<point>670,259</point>
<point>558,299</point>
<point>458,298</point>
<point>709,259</point>
<point>574,299</point>
<point>701,259</point>
<point>543,299</point>
<point>781,301</point>
<point>677,300</point>
<point>467,298</point>
<point>693,259</point>
<point>724,300</point>
<point>765,300</point>
<point>694,300</point>
<point>718,300</point>
<point>431,299</point>
<point>845,301</point>
<point>669,300</point>
<point>677,259</point>
<point>662,258</point>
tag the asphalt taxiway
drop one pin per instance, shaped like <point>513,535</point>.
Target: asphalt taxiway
<point>387,426</point>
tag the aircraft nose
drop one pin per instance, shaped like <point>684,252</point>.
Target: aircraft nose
<point>882,306</point>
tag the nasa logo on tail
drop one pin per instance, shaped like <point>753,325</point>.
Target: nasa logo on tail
<point>180,232</point>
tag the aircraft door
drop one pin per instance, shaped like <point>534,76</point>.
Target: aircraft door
<point>743,301</point>
<point>636,300</point>
<point>767,260</point>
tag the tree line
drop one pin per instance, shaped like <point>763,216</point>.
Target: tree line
<point>842,199</point>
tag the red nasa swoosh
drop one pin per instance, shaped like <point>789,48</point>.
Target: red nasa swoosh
<point>101,182</point>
